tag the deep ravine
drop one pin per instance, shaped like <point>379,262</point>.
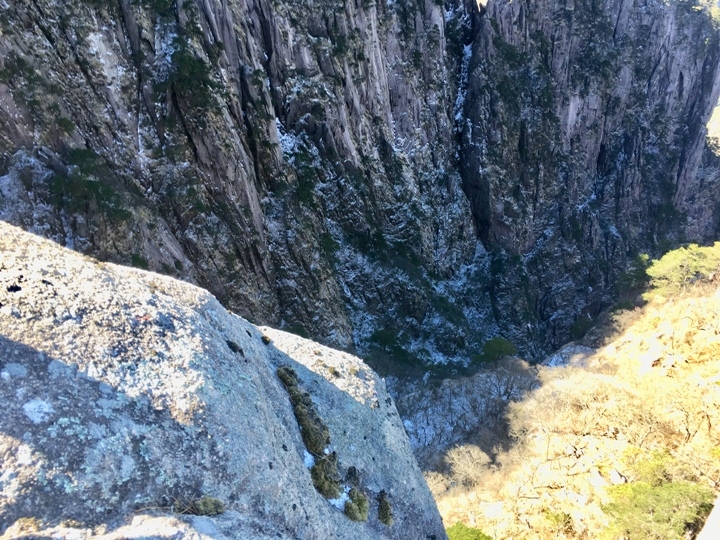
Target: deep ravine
<point>405,179</point>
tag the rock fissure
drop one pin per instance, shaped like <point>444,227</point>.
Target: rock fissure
<point>324,467</point>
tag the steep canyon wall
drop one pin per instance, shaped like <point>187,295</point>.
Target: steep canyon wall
<point>407,178</point>
<point>584,128</point>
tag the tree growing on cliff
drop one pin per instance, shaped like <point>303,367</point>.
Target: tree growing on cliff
<point>675,271</point>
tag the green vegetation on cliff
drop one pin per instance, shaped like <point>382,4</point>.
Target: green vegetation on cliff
<point>680,269</point>
<point>460,531</point>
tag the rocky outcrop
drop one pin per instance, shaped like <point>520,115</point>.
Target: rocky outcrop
<point>399,177</point>
<point>441,414</point>
<point>131,399</point>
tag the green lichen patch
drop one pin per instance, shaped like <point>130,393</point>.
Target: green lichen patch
<point>357,507</point>
<point>385,514</point>
<point>204,506</point>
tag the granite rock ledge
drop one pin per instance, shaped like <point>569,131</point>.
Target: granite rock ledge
<point>126,393</point>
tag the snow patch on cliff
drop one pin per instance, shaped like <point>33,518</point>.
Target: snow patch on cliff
<point>459,109</point>
<point>289,143</point>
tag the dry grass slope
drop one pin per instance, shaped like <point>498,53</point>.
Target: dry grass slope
<point>620,443</point>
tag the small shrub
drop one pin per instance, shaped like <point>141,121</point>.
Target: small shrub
<point>417,59</point>
<point>88,184</point>
<point>385,339</point>
<point>190,79</point>
<point>494,349</point>
<point>162,8</point>
<point>389,350</point>
<point>467,463</point>
<point>334,371</point>
<point>449,310</point>
<point>329,246</point>
<point>385,514</point>
<point>138,261</point>
<point>17,70</point>
<point>656,468</point>
<point>305,190</point>
<point>65,125</point>
<point>561,522</point>
<point>28,524</point>
<point>357,507</point>
<point>581,327</point>
<point>623,305</point>
<point>460,531</point>
<point>298,330</point>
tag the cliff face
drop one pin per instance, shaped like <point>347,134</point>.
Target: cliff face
<point>584,128</point>
<point>396,176</point>
<point>296,159</point>
<point>128,397</point>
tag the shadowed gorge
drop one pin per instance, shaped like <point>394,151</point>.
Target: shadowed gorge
<point>404,179</point>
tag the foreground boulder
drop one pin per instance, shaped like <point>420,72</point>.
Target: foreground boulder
<point>134,405</point>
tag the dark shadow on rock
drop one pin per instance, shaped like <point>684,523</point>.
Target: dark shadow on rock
<point>82,442</point>
<point>464,410</point>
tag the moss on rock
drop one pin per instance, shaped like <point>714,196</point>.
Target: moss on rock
<point>204,506</point>
<point>385,514</point>
<point>325,476</point>
<point>358,506</point>
<point>315,433</point>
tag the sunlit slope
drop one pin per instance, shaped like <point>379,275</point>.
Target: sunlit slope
<point>619,441</point>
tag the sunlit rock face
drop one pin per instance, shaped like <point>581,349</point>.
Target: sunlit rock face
<point>128,397</point>
<point>405,178</point>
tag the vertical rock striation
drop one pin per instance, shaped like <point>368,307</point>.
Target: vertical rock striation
<point>583,131</point>
<point>364,172</point>
<point>296,159</point>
